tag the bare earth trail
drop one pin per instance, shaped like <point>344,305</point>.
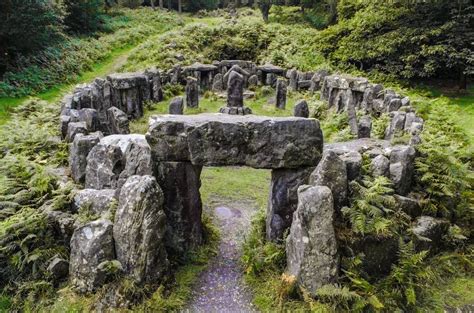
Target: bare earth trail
<point>220,287</point>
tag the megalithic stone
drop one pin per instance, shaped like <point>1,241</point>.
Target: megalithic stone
<point>192,92</point>
<point>281,88</point>
<point>235,90</point>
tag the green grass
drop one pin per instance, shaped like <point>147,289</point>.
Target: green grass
<point>235,183</point>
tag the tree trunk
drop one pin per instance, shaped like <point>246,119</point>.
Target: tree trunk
<point>169,5</point>
<point>179,6</point>
<point>153,4</point>
<point>462,81</point>
<point>265,11</point>
<point>161,4</point>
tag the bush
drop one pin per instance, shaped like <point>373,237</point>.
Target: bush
<point>27,27</point>
<point>83,16</point>
<point>409,40</point>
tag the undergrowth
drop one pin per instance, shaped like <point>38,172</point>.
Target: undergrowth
<point>65,61</point>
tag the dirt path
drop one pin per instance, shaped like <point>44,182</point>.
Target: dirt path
<point>221,287</point>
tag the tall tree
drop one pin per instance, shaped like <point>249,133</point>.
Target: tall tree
<point>161,4</point>
<point>265,6</point>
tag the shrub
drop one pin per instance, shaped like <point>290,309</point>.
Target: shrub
<point>83,16</point>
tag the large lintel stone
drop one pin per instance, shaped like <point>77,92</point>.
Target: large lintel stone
<point>221,139</point>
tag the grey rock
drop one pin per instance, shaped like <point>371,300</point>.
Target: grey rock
<point>397,123</point>
<point>271,79</point>
<point>371,146</point>
<point>98,202</point>
<point>235,90</point>
<point>301,109</point>
<point>252,81</point>
<point>405,101</point>
<point>331,172</point>
<point>116,158</point>
<point>64,122</point>
<point>311,246</point>
<point>394,105</point>
<point>235,68</point>
<point>429,233</point>
<point>154,81</point>
<point>118,121</point>
<point>58,269</point>
<point>220,139</point>
<point>235,110</point>
<point>63,225</point>
<point>180,182</point>
<point>129,92</point>
<point>176,106</point>
<point>139,230</point>
<point>402,165</point>
<point>380,253</point>
<point>380,166</point>
<point>292,75</point>
<point>410,206</point>
<point>192,92</point>
<point>353,161</point>
<point>91,245</point>
<point>76,128</point>
<point>283,199</point>
<point>364,127</point>
<point>281,89</point>
<point>270,68</point>
<point>217,83</point>
<point>78,152</point>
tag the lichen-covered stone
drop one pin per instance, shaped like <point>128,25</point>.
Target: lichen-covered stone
<point>353,161</point>
<point>219,139</point>
<point>429,233</point>
<point>301,109</point>
<point>176,106</point>
<point>117,121</point>
<point>139,230</point>
<point>402,167</point>
<point>281,89</point>
<point>78,152</point>
<point>331,172</point>
<point>380,166</point>
<point>91,245</point>
<point>98,202</point>
<point>192,92</point>
<point>364,127</point>
<point>283,199</point>
<point>180,182</point>
<point>311,246</point>
<point>116,158</point>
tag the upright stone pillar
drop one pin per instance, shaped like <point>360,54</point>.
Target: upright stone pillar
<point>180,182</point>
<point>283,199</point>
<point>311,247</point>
<point>235,95</point>
<point>301,109</point>
<point>292,75</point>
<point>192,92</point>
<point>281,88</point>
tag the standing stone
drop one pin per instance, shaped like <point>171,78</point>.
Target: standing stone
<point>176,106</point>
<point>283,199</point>
<point>331,172</point>
<point>104,165</point>
<point>301,109</point>
<point>217,83</point>
<point>154,79</point>
<point>402,168</point>
<point>429,233</point>
<point>180,182</point>
<point>118,121</point>
<point>76,128</point>
<point>91,246</point>
<point>281,89</point>
<point>364,127</point>
<point>353,161</point>
<point>292,75</point>
<point>311,246</point>
<point>253,81</point>
<point>235,90</point>
<point>380,166</point>
<point>192,92</point>
<point>397,123</point>
<point>98,202</point>
<point>78,152</point>
<point>139,230</point>
<point>394,104</point>
<point>271,79</point>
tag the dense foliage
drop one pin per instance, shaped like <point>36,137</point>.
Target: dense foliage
<point>83,16</point>
<point>403,39</point>
<point>65,60</point>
